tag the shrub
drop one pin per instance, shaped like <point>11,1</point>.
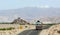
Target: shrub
<point>7,28</point>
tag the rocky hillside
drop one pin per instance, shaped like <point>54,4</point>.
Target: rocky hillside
<point>54,19</point>
<point>20,21</point>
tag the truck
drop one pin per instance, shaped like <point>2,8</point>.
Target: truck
<point>39,25</point>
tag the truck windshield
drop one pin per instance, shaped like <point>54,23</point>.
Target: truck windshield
<point>38,22</point>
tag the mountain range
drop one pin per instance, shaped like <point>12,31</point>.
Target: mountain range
<point>29,13</point>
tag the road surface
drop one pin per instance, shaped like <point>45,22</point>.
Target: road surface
<point>30,32</point>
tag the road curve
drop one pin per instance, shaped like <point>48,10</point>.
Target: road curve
<point>30,32</point>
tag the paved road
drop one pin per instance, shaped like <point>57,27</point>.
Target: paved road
<point>30,32</point>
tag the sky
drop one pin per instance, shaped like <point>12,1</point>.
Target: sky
<point>16,4</point>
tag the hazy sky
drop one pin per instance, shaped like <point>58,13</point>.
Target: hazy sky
<point>13,4</point>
